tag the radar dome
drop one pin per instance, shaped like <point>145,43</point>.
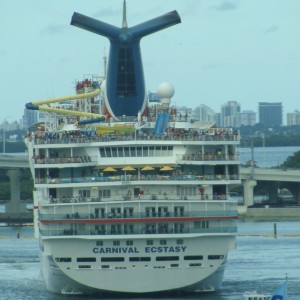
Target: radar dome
<point>165,91</point>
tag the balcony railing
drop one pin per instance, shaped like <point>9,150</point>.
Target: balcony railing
<point>208,157</point>
<point>71,232</point>
<point>65,138</point>
<point>65,160</point>
<point>130,178</point>
<point>144,197</point>
<point>110,216</point>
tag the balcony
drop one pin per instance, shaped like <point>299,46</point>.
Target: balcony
<point>209,157</point>
<point>142,215</point>
<point>85,160</point>
<point>172,231</point>
<point>81,138</point>
<point>148,179</point>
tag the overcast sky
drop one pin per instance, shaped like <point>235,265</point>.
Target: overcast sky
<point>242,50</point>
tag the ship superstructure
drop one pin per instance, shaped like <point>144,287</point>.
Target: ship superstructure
<point>136,204</point>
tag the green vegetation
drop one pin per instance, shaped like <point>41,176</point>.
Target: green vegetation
<point>292,161</point>
<point>271,141</point>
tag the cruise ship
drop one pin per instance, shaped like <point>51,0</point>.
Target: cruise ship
<point>131,195</point>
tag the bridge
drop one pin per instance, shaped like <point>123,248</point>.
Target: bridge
<point>11,161</point>
<point>249,176</point>
<point>276,178</point>
<point>260,174</point>
<point>15,210</point>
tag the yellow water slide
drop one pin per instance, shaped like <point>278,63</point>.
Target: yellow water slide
<point>40,105</point>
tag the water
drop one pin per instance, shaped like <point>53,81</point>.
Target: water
<point>259,263</point>
<point>267,157</point>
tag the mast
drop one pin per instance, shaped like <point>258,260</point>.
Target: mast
<point>105,63</point>
<point>124,23</point>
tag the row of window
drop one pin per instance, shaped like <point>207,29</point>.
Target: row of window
<point>104,193</point>
<point>124,268</point>
<point>128,211</point>
<point>130,242</point>
<point>135,228</point>
<point>139,258</point>
<point>148,151</point>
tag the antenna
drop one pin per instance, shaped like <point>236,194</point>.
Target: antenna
<point>105,63</point>
<point>124,23</point>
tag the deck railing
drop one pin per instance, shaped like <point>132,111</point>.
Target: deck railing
<point>65,138</point>
<point>208,157</point>
<point>110,216</point>
<point>144,197</point>
<point>129,178</point>
<point>70,232</point>
<point>66,160</point>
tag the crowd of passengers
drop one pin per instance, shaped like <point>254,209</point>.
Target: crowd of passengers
<point>40,159</point>
<point>78,136</point>
<point>200,196</point>
<point>129,177</point>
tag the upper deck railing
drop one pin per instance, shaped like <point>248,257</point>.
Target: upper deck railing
<point>79,137</point>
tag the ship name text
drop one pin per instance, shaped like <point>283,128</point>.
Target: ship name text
<point>152,249</point>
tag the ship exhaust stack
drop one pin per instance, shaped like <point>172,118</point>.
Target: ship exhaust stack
<point>125,92</point>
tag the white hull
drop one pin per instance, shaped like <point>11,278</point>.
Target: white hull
<point>57,282</point>
<point>148,277</point>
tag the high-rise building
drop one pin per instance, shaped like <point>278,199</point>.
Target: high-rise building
<point>247,117</point>
<point>293,118</point>
<point>30,117</point>
<point>229,114</point>
<point>270,113</point>
<point>204,113</point>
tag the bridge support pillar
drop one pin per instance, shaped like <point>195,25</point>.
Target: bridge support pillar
<point>248,191</point>
<point>15,207</point>
<point>296,194</point>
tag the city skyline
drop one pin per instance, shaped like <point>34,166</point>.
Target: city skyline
<point>246,51</point>
<point>231,114</point>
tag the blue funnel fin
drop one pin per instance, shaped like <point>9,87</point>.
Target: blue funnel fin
<point>154,25</point>
<point>95,26</point>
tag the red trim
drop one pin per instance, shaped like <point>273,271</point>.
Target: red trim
<point>35,207</point>
<point>141,220</point>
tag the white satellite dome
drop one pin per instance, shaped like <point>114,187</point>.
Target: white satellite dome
<point>165,91</point>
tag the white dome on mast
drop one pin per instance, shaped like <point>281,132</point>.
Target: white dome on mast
<point>165,91</point>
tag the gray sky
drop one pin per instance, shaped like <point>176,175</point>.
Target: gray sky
<point>242,50</point>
